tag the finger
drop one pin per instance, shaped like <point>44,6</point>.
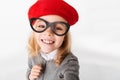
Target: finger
<point>35,74</point>
<point>37,67</point>
<point>36,71</point>
<point>33,77</point>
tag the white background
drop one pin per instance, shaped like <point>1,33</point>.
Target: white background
<point>95,38</point>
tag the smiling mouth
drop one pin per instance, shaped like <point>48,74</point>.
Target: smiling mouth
<point>47,41</point>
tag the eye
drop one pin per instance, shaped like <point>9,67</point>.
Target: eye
<point>41,26</point>
<point>58,28</point>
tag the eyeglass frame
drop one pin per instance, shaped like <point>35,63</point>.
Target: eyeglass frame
<point>48,24</point>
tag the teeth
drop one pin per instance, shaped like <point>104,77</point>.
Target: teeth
<point>48,41</point>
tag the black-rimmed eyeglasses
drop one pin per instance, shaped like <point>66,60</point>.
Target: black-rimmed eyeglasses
<point>40,25</point>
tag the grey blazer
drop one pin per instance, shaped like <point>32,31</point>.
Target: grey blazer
<point>68,70</point>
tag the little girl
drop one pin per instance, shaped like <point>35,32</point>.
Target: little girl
<point>50,56</point>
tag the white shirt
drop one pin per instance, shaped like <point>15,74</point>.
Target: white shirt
<point>49,56</point>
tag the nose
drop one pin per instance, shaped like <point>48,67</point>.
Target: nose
<point>48,32</point>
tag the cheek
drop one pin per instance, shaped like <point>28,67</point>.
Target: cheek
<point>59,41</point>
<point>37,37</point>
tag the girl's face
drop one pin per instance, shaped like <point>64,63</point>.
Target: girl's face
<point>47,40</point>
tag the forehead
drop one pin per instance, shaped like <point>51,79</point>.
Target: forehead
<point>53,18</point>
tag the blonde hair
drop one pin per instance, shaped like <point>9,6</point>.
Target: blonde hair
<point>62,52</point>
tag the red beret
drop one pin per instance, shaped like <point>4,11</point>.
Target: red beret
<point>53,7</point>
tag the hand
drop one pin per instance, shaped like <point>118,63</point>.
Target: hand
<point>35,72</point>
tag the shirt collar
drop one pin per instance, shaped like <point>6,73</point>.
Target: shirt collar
<point>50,55</point>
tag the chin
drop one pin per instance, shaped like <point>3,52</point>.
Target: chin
<point>46,51</point>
